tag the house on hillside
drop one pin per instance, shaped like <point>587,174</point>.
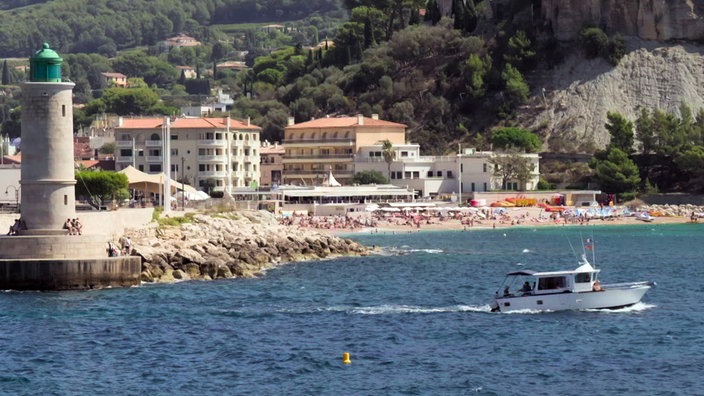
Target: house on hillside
<point>180,41</point>
<point>187,71</point>
<point>114,79</point>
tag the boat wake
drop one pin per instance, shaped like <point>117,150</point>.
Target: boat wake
<point>637,307</point>
<point>405,250</point>
<point>403,309</point>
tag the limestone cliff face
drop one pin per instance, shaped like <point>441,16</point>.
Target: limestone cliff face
<point>660,20</point>
<point>571,112</point>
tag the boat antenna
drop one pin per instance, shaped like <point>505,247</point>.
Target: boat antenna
<point>572,247</point>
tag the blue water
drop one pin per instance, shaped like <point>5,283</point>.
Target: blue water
<point>415,321</point>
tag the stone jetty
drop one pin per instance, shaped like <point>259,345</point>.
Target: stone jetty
<point>230,245</point>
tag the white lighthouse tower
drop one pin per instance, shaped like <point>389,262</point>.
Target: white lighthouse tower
<point>47,176</point>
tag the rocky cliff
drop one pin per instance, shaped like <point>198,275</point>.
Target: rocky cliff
<point>241,244</point>
<point>647,19</point>
<point>570,102</point>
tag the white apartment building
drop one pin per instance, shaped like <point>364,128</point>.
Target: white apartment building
<point>438,175</point>
<point>221,153</point>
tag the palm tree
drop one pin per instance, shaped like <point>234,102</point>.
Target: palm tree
<point>387,150</point>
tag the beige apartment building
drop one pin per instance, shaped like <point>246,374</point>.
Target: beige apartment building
<point>217,153</point>
<point>315,147</point>
<point>272,166</point>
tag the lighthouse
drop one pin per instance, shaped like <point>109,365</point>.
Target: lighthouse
<point>47,176</point>
<point>43,256</point>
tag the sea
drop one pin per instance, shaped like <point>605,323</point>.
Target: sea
<point>414,318</point>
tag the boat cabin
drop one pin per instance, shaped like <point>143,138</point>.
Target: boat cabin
<point>524,283</point>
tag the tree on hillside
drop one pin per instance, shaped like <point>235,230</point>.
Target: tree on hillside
<point>517,89</point>
<point>615,171</point>
<point>621,131</point>
<point>126,101</point>
<point>6,76</point>
<point>691,163</point>
<point>508,138</point>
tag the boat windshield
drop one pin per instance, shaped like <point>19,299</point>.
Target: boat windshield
<point>517,284</point>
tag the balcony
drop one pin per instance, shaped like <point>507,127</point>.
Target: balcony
<point>124,158</point>
<point>153,143</point>
<point>155,158</point>
<point>216,174</point>
<point>212,143</point>
<point>123,143</point>
<point>319,142</point>
<point>318,158</point>
<point>212,158</point>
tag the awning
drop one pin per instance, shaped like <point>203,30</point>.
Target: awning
<point>153,183</point>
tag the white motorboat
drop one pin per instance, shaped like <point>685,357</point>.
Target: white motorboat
<point>565,290</point>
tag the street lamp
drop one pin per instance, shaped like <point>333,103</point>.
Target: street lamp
<point>183,187</point>
<point>17,195</point>
<point>459,170</point>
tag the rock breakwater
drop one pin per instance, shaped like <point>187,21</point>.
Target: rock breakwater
<point>230,245</point>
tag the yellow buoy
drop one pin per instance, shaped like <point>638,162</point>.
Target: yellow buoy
<point>346,358</point>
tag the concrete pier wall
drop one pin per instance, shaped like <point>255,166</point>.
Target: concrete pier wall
<point>69,274</point>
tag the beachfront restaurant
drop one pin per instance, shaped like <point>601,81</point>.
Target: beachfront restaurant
<point>339,200</point>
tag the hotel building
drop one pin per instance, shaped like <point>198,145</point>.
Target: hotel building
<point>315,147</point>
<point>217,153</point>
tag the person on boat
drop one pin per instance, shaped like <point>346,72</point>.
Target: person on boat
<point>526,287</point>
<point>506,292</point>
<point>597,286</point>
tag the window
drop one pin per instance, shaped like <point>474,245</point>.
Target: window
<point>430,173</point>
<point>174,151</point>
<point>584,277</point>
<point>552,283</point>
<point>484,166</point>
<point>473,188</point>
<point>461,167</point>
<point>407,175</point>
<point>485,189</point>
<point>155,136</point>
<point>63,110</point>
<point>174,167</point>
<point>141,168</point>
<point>125,152</point>
<point>416,175</point>
<point>174,137</point>
<point>398,175</point>
<point>449,174</point>
<point>439,173</point>
<point>404,153</point>
<point>154,167</point>
<point>393,175</point>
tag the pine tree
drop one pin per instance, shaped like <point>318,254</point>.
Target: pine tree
<point>6,78</point>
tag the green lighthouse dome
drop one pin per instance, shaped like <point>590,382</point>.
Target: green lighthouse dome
<point>45,65</point>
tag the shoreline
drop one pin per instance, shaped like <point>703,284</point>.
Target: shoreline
<point>519,217</point>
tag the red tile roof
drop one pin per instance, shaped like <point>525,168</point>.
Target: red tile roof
<point>342,122</point>
<point>186,123</point>
<point>81,147</point>
<point>277,149</point>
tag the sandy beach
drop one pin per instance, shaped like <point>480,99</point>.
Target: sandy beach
<point>514,217</point>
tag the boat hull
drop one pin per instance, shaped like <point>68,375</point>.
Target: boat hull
<point>611,297</point>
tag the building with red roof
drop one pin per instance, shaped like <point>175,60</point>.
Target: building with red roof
<point>207,152</point>
<point>315,147</point>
